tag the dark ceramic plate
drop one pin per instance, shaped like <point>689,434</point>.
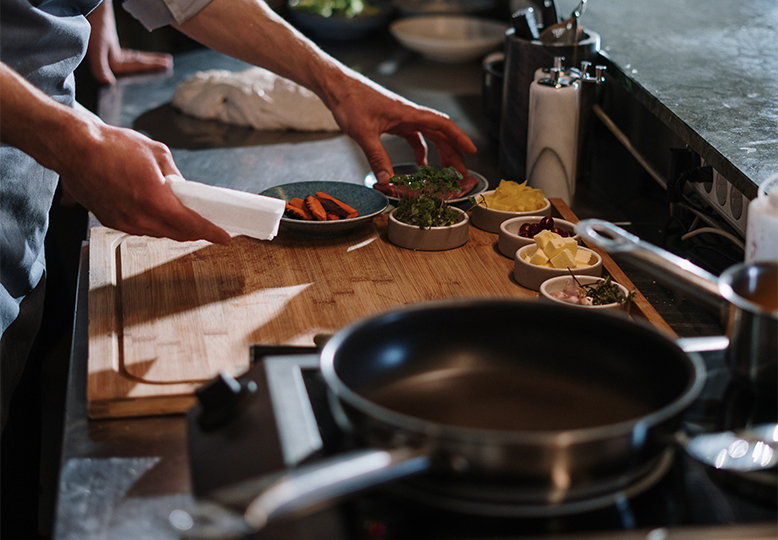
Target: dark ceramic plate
<point>368,202</point>
<point>338,27</point>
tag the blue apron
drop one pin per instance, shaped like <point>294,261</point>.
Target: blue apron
<point>44,42</point>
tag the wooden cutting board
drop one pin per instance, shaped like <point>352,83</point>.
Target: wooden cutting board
<point>164,316</point>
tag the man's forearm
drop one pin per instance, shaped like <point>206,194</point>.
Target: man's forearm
<point>28,118</point>
<point>250,31</point>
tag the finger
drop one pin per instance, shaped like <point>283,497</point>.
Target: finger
<point>377,157</point>
<point>196,227</point>
<point>101,70</point>
<point>439,123</point>
<point>130,61</point>
<point>449,156</point>
<point>419,145</point>
<point>387,189</point>
<point>167,217</point>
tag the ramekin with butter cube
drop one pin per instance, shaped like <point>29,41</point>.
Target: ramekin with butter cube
<point>552,255</point>
<point>554,251</point>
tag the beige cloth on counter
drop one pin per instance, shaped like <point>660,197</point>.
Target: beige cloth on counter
<point>254,98</point>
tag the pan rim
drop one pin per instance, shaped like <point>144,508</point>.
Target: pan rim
<point>429,429</point>
<point>726,287</point>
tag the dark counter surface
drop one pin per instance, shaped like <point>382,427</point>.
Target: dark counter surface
<point>707,68</point>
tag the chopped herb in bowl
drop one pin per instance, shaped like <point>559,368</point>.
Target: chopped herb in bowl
<point>596,294</point>
<point>423,201</point>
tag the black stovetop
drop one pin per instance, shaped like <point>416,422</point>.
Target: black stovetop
<point>288,423</point>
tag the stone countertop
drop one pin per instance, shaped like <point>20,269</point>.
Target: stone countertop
<point>707,68</point>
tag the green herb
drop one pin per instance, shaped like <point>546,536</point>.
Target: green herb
<point>605,292</point>
<point>328,8</point>
<point>425,205</point>
<point>481,200</point>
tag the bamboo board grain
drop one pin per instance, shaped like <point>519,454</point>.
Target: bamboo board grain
<point>164,316</point>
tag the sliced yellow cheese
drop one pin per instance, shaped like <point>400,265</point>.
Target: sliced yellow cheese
<point>557,244</point>
<point>563,259</point>
<point>543,238</point>
<point>539,257</point>
<point>582,258</point>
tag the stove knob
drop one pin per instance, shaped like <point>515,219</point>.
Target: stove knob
<point>222,399</point>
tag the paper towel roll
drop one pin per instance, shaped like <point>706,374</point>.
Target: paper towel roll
<point>762,224</point>
<point>552,139</point>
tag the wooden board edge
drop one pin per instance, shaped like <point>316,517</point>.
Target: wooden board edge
<point>103,409</point>
<point>641,306</point>
<point>103,325</point>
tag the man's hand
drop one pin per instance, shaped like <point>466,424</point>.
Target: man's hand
<point>107,59</point>
<point>116,173</point>
<point>365,110</point>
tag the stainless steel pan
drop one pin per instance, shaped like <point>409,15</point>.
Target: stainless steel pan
<point>539,404</point>
<point>746,294</point>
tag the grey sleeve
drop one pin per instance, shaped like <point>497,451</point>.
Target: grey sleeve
<point>157,13</point>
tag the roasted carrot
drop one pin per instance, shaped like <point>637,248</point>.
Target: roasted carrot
<point>297,213</point>
<point>352,213</point>
<point>332,217</point>
<point>300,205</point>
<point>331,207</point>
<point>316,208</point>
<point>297,202</point>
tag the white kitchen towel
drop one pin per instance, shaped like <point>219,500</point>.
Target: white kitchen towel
<point>237,212</point>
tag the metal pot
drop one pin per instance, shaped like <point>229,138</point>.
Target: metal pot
<point>520,402</point>
<point>746,295</point>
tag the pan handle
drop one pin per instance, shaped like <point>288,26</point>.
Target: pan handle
<point>314,487</point>
<point>295,493</point>
<point>677,272</point>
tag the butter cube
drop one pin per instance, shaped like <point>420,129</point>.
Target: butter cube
<point>582,258</point>
<point>558,244</point>
<point>539,257</point>
<point>543,238</point>
<point>563,259</point>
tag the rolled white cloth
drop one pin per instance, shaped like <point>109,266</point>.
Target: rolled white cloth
<point>235,211</point>
<point>254,98</point>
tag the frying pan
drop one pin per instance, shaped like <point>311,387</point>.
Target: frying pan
<point>746,296</point>
<point>545,404</point>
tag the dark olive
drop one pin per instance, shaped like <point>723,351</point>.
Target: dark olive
<point>534,229</point>
<point>547,222</point>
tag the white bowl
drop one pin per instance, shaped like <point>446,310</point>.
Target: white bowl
<point>449,38</point>
<point>432,239</point>
<point>532,276</point>
<point>509,240</point>
<point>489,219</point>
<point>559,283</point>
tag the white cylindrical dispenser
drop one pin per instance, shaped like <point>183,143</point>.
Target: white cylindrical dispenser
<point>545,72</point>
<point>762,224</point>
<point>552,135</point>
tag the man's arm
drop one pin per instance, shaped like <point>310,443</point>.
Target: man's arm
<point>118,174</point>
<point>250,31</point>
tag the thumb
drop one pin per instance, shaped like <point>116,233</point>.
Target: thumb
<point>101,69</point>
<point>380,163</point>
